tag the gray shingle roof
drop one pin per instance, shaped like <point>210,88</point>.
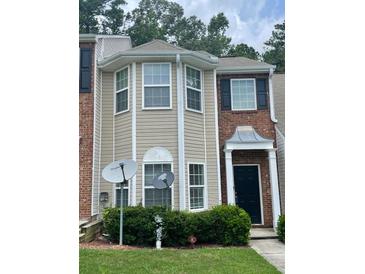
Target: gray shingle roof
<point>240,62</point>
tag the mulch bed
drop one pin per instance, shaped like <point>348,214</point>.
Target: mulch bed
<point>101,243</point>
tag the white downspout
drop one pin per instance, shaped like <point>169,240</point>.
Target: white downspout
<point>180,131</point>
<point>271,94</point>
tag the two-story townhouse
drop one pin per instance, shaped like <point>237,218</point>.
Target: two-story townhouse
<point>159,109</point>
<point>207,119</point>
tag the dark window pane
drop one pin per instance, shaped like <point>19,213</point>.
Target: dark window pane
<point>156,96</point>
<point>125,197</point>
<point>158,197</point>
<point>122,100</point>
<point>194,99</point>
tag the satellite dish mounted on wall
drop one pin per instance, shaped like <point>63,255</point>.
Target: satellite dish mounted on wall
<point>119,172</point>
<point>163,180</point>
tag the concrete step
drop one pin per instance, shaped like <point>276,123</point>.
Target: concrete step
<point>262,233</point>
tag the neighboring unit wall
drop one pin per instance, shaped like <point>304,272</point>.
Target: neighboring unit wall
<point>86,120</point>
<point>281,167</point>
<point>261,121</point>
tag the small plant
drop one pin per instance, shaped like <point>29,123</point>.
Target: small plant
<point>281,228</point>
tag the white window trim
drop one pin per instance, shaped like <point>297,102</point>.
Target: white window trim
<point>170,86</point>
<point>200,90</point>
<point>205,190</point>
<point>149,187</point>
<point>260,189</point>
<point>123,89</point>
<point>255,96</point>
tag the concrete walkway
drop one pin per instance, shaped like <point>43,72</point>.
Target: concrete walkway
<point>272,250</point>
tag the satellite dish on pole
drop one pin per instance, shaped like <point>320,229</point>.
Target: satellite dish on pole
<point>119,172</point>
<point>163,180</point>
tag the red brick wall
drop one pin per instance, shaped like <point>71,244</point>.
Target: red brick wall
<point>260,119</point>
<point>86,122</point>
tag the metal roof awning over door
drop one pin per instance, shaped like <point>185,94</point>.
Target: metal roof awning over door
<point>245,137</point>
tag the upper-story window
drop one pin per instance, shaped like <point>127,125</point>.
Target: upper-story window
<point>193,89</point>
<point>157,86</point>
<point>243,94</point>
<point>121,93</point>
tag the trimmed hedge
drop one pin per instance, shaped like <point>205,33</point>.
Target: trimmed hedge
<point>281,228</point>
<point>225,224</point>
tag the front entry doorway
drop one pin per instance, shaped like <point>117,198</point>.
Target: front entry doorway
<point>247,190</point>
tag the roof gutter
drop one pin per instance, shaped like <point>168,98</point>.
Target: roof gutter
<point>112,59</point>
<point>271,94</point>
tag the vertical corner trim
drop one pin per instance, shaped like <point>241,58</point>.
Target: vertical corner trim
<point>180,133</point>
<point>217,137</point>
<point>134,133</point>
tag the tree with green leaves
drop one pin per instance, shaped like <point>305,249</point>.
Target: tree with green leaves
<point>154,19</point>
<point>89,10</point>
<point>190,32</point>
<point>275,51</point>
<point>114,18</point>
<point>216,42</point>
<point>243,50</point>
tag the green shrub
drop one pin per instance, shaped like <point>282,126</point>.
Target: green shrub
<point>228,225</point>
<point>231,225</point>
<point>281,228</point>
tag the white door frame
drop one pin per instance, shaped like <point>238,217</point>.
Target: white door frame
<point>260,188</point>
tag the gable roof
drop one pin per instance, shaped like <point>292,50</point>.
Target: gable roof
<point>158,50</point>
<point>241,64</point>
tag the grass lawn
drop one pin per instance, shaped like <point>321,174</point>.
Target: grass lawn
<point>201,260</point>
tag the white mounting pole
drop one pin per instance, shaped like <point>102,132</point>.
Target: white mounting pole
<point>121,215</point>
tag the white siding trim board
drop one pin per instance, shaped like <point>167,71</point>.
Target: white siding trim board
<point>217,136</point>
<point>134,134</point>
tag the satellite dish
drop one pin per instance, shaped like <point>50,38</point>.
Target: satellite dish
<point>113,173</point>
<point>163,180</point>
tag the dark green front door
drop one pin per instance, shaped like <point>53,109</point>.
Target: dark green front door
<point>246,184</point>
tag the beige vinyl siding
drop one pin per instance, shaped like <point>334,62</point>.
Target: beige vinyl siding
<point>123,129</point>
<point>210,131</point>
<point>156,128</point>
<point>280,139</point>
<point>194,137</point>
<point>107,130</point>
<point>97,142</point>
<point>198,149</point>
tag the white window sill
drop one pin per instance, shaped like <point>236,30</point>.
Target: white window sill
<point>121,112</point>
<point>194,110</point>
<point>156,108</point>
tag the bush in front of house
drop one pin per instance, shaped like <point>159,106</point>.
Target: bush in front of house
<point>281,228</point>
<point>225,224</point>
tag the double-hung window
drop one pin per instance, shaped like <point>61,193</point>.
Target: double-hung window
<point>196,186</point>
<point>121,93</point>
<point>157,85</point>
<point>152,195</point>
<point>243,94</point>
<point>193,89</point>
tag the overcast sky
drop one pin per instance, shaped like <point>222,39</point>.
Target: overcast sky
<point>250,21</point>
